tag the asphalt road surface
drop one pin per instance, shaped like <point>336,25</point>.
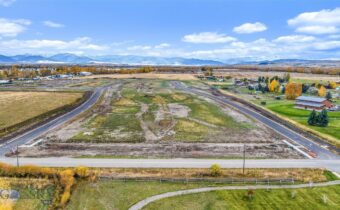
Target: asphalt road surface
<point>333,165</point>
<point>321,152</point>
<point>39,131</point>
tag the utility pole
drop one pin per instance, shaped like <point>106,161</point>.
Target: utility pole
<point>17,156</point>
<point>244,157</point>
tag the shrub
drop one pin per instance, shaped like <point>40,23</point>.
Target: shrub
<point>215,170</point>
<point>263,103</point>
<point>82,172</point>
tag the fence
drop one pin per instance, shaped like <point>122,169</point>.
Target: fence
<point>207,180</point>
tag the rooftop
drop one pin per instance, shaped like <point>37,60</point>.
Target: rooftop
<point>310,98</point>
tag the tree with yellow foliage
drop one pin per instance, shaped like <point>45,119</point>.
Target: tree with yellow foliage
<point>274,86</point>
<point>293,90</point>
<point>322,91</point>
<point>332,85</point>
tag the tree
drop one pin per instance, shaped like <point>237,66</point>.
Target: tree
<point>215,170</point>
<point>322,91</point>
<point>329,96</point>
<point>293,90</point>
<point>332,85</point>
<point>273,86</point>
<point>323,118</point>
<point>208,71</point>
<point>305,88</point>
<point>286,77</point>
<point>312,119</point>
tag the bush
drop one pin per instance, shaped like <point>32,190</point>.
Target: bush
<point>215,170</point>
<point>278,97</point>
<point>263,103</point>
<point>82,172</point>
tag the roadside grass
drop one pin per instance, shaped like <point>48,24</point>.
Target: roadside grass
<point>330,176</point>
<point>120,195</point>
<point>299,175</point>
<point>17,107</point>
<point>303,198</point>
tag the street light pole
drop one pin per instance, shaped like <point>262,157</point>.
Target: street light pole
<point>244,157</point>
<point>17,156</point>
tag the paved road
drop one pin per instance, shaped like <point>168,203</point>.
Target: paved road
<point>154,198</point>
<point>37,132</point>
<point>321,152</point>
<point>333,165</point>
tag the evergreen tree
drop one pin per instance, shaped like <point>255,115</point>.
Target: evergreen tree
<point>312,119</point>
<point>323,118</point>
<point>329,96</point>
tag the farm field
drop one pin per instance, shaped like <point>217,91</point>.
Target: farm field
<point>164,76</point>
<point>307,198</point>
<point>17,107</point>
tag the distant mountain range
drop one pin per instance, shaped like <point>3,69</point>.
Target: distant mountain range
<point>68,58</point>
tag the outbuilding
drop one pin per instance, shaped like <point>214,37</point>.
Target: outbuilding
<point>312,103</point>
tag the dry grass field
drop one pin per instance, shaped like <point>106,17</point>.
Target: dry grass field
<point>16,107</point>
<point>146,76</point>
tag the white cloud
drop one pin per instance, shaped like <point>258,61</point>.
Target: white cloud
<point>140,47</point>
<point>163,45</point>
<point>39,46</point>
<point>317,29</point>
<point>207,38</point>
<point>6,3</point>
<point>248,28</point>
<point>12,27</point>
<point>321,22</point>
<point>53,24</point>
<point>294,39</point>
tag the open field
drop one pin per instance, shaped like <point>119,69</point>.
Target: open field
<point>120,195</point>
<point>165,76</point>
<point>307,198</point>
<point>33,193</point>
<point>296,76</point>
<point>17,107</point>
<point>149,118</point>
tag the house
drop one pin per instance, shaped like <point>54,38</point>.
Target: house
<point>312,103</point>
<point>5,82</point>
<point>85,73</point>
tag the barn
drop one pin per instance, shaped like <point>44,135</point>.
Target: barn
<point>312,103</point>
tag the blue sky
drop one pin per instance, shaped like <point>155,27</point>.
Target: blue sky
<point>210,29</point>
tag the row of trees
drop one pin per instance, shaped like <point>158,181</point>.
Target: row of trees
<point>320,119</point>
<point>14,72</point>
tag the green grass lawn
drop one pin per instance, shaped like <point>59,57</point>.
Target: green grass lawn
<point>307,198</point>
<point>119,195</point>
<point>286,108</point>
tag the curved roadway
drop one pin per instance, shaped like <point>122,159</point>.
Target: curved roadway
<point>39,131</point>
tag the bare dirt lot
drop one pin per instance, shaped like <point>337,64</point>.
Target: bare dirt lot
<point>148,118</point>
<point>147,76</point>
